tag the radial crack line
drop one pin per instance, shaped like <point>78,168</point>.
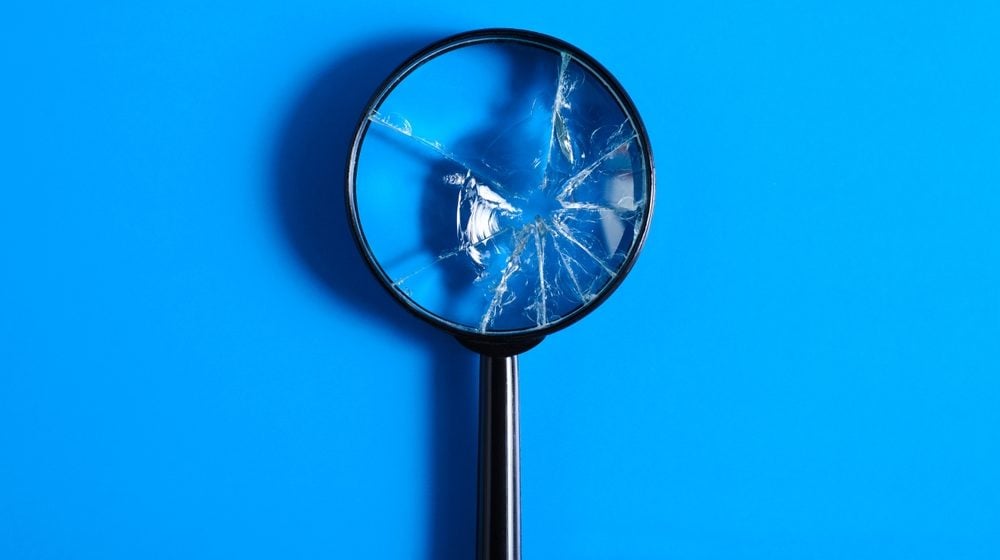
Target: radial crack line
<point>513,265</point>
<point>564,231</point>
<point>567,262</point>
<point>558,131</point>
<point>406,130</point>
<point>463,248</point>
<point>573,182</point>
<point>595,207</point>
<point>541,312</point>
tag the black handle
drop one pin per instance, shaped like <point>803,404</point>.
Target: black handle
<point>499,528</point>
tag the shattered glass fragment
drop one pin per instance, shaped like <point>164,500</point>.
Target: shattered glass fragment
<point>502,187</point>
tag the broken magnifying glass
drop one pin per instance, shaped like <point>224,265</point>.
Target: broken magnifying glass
<point>500,185</point>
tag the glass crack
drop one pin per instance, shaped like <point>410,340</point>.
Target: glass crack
<point>564,231</point>
<point>463,248</point>
<point>550,197</point>
<point>405,128</point>
<point>559,131</point>
<point>576,180</point>
<point>541,314</point>
<point>501,295</point>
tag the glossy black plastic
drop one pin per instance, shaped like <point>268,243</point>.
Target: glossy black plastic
<point>499,523</point>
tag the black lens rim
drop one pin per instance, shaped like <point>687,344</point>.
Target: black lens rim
<point>501,339</point>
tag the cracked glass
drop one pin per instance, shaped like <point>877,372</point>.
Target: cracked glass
<point>501,186</point>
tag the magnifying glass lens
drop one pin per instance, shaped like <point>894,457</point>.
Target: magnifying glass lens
<point>500,185</point>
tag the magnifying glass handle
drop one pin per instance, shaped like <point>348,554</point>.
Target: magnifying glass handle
<point>499,527</point>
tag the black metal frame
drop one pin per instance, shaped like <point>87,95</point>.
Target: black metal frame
<point>498,343</point>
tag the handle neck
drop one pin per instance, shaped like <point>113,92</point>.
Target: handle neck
<point>499,524</point>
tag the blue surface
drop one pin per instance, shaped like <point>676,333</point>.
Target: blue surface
<point>803,364</point>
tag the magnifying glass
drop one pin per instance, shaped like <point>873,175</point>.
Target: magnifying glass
<point>500,186</point>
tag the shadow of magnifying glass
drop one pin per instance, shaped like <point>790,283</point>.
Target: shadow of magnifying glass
<point>308,197</point>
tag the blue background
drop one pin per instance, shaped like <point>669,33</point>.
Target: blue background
<point>803,364</point>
